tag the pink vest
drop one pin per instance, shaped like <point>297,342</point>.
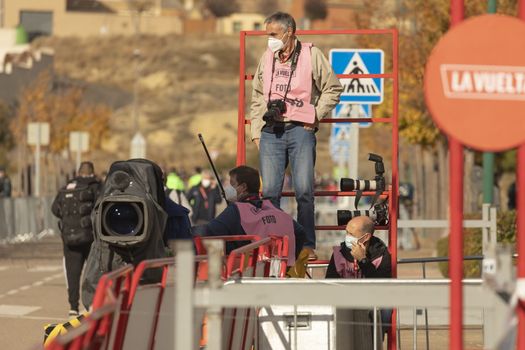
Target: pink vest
<point>268,220</point>
<point>349,269</point>
<point>298,106</point>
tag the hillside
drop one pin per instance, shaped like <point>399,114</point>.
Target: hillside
<point>188,85</point>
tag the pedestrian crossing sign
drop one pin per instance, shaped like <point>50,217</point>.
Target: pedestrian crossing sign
<point>359,61</point>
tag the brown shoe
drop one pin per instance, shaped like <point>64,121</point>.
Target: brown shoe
<point>311,254</point>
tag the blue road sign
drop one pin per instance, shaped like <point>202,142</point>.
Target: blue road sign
<point>344,110</point>
<point>359,61</point>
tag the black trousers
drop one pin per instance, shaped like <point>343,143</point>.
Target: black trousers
<point>74,259</point>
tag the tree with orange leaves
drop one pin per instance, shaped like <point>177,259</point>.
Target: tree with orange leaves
<point>64,109</point>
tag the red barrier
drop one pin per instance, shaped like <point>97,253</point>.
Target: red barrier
<point>202,268</point>
<point>110,287</point>
<point>201,249</point>
<point>91,334</point>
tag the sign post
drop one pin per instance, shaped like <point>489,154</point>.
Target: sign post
<point>78,142</point>
<point>138,146</point>
<point>37,135</point>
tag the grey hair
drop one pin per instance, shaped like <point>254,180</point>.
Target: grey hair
<point>284,19</point>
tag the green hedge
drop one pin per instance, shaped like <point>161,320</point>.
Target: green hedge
<point>472,240</point>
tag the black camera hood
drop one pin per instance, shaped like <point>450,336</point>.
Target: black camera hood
<point>136,181</point>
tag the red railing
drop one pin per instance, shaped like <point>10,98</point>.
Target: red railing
<point>392,193</point>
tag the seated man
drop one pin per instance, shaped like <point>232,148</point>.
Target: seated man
<point>361,255</point>
<point>249,214</point>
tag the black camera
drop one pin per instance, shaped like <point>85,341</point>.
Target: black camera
<point>129,212</point>
<point>276,109</point>
<point>379,214</point>
<point>377,184</point>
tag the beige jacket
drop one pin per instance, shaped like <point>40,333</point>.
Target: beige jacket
<point>326,89</point>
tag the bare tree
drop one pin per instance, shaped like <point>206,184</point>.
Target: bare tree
<point>222,8</point>
<point>315,9</point>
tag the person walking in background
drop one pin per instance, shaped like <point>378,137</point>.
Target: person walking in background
<point>204,198</point>
<point>72,206</point>
<point>5,184</point>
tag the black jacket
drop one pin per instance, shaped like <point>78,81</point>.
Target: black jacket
<point>203,205</point>
<point>376,249</point>
<point>73,205</point>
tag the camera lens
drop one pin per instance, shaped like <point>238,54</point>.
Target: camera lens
<point>343,216</point>
<point>358,185</point>
<point>123,219</point>
<point>347,184</point>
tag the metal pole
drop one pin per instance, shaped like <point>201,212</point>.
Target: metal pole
<point>215,249</point>
<point>136,55</point>
<point>353,161</point>
<point>520,239</point>
<point>184,279</point>
<point>394,200</point>
<point>414,329</point>
<point>375,328</point>
<point>37,160</point>
<point>295,327</point>
<point>488,157</point>
<point>427,337</point>
<point>488,177</point>
<point>456,244</point>
<point>492,6</point>
<point>457,8</point>
<point>241,127</point>
<point>397,330</point>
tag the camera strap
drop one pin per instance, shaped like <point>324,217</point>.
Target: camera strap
<point>359,194</point>
<point>295,59</point>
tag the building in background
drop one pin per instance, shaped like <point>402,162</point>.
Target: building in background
<point>89,17</point>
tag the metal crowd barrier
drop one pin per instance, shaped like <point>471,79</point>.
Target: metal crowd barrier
<point>25,218</point>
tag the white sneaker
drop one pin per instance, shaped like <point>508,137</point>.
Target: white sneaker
<point>73,313</point>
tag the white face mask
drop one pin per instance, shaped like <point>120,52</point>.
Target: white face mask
<point>231,193</point>
<point>206,183</point>
<point>275,44</point>
<point>349,240</point>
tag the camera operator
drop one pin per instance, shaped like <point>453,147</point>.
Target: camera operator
<point>362,255</point>
<point>133,219</point>
<point>293,89</point>
<point>249,214</point>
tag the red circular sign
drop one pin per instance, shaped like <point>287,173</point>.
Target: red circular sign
<point>475,82</point>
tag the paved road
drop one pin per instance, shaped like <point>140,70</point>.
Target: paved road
<point>32,293</point>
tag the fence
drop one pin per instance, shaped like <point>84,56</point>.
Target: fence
<point>26,218</point>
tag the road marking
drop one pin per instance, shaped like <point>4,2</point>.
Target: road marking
<point>17,310</point>
<point>45,268</point>
<point>35,284</point>
<point>50,319</point>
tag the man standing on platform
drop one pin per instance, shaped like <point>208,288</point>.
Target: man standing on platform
<point>294,87</point>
